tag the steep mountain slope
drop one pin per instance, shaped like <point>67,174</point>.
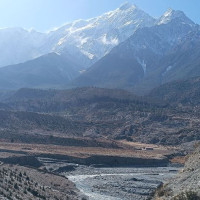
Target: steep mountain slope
<point>180,63</point>
<point>141,62</point>
<point>84,41</point>
<point>48,71</point>
<point>95,37</point>
<point>183,61</point>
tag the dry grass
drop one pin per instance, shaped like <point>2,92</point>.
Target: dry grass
<point>179,159</point>
<point>83,152</point>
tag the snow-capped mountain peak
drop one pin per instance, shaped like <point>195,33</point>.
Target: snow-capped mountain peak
<point>92,39</point>
<point>84,41</point>
<point>171,14</point>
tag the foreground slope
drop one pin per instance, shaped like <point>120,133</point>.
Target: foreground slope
<point>186,184</point>
<point>27,183</point>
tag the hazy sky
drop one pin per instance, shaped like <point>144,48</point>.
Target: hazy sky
<point>44,15</point>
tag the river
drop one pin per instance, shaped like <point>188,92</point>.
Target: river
<point>119,183</point>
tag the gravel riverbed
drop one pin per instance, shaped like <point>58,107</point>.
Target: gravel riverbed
<point>119,183</point>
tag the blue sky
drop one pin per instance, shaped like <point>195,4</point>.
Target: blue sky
<point>44,15</point>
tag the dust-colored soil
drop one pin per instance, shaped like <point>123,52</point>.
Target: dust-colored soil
<point>179,159</point>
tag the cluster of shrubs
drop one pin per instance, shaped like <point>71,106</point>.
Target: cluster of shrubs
<point>163,191</point>
<point>188,195</point>
<point>17,185</point>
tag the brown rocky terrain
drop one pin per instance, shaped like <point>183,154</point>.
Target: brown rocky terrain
<point>55,131</point>
<point>97,113</point>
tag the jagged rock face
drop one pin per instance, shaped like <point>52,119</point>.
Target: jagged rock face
<point>144,61</point>
<point>95,38</point>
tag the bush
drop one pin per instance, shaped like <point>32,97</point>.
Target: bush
<point>189,195</point>
<point>16,186</point>
<point>163,191</point>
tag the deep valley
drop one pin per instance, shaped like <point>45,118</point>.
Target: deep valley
<point>105,108</point>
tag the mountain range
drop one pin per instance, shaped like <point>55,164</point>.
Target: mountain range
<point>85,41</point>
<point>150,57</point>
<point>125,48</point>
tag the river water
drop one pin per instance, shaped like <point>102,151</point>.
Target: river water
<point>119,183</point>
